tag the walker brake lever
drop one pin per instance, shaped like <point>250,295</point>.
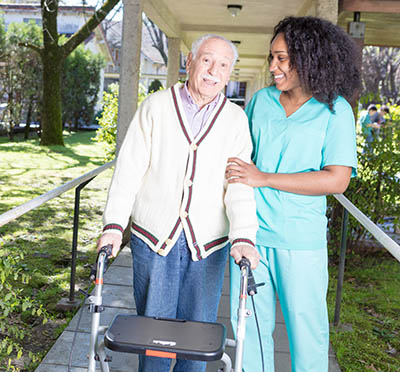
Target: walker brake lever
<point>251,284</point>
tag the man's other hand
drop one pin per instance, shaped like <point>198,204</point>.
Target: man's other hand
<point>240,251</point>
<point>110,238</point>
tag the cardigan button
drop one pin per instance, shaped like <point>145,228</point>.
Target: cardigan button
<point>168,242</point>
<point>188,183</point>
<point>184,214</point>
<point>193,146</point>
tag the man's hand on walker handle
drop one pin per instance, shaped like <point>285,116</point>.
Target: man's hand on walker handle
<point>240,251</point>
<point>110,238</point>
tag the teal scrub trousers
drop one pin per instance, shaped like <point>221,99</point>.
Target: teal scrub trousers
<point>300,279</point>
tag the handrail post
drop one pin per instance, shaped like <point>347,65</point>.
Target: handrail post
<point>75,239</point>
<point>342,259</point>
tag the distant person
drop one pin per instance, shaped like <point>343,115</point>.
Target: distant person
<point>375,117</point>
<point>384,115</point>
<point>369,121</point>
<point>304,140</point>
<point>170,178</point>
<point>384,121</point>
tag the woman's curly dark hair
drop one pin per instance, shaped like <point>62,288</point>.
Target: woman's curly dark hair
<point>324,56</point>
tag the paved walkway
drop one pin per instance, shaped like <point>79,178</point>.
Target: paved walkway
<point>118,298</point>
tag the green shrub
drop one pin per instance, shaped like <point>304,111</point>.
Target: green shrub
<point>14,304</point>
<point>154,86</point>
<point>108,119</point>
<point>376,189</point>
<point>80,87</point>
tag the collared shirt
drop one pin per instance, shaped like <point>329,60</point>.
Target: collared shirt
<point>195,117</point>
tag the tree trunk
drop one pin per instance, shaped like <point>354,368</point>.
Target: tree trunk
<point>28,121</point>
<point>51,114</point>
<point>11,132</point>
<point>11,117</point>
<point>76,124</point>
<point>52,57</point>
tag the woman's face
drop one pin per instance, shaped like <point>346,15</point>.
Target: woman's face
<point>285,77</point>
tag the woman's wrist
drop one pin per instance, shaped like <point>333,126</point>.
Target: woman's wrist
<point>262,179</point>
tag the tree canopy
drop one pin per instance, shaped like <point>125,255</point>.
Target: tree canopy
<point>381,75</point>
<point>80,88</point>
<point>20,74</point>
<point>53,55</point>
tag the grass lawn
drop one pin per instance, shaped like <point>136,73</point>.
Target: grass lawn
<point>368,340</point>
<point>44,235</point>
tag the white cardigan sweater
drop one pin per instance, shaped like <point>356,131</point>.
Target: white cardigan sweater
<point>169,181</point>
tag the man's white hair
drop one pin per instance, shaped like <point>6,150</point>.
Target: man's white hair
<point>197,44</point>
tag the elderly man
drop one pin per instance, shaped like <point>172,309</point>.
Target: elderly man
<point>169,177</point>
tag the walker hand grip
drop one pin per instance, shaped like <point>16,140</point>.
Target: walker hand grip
<point>107,249</point>
<point>244,262</point>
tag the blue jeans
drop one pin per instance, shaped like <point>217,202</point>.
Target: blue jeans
<point>174,286</point>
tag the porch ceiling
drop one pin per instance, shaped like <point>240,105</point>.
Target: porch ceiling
<point>253,26</point>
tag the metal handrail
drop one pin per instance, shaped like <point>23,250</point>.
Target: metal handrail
<point>387,242</point>
<point>79,183</point>
<point>16,212</point>
<point>380,236</point>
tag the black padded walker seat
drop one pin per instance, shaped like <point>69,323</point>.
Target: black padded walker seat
<point>167,338</point>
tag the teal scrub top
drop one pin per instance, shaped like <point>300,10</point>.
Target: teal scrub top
<point>308,140</point>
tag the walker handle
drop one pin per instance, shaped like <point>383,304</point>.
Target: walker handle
<point>244,262</point>
<point>251,284</point>
<point>107,249</point>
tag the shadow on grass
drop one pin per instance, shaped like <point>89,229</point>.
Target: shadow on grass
<point>71,140</point>
<point>15,167</point>
<point>17,194</point>
<point>44,236</point>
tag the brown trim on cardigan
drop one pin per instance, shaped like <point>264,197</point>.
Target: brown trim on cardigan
<point>179,114</point>
<point>171,235</point>
<point>247,241</point>
<point>113,226</point>
<point>212,122</point>
<point>215,242</point>
<point>194,238</point>
<point>145,233</point>
<point>191,179</point>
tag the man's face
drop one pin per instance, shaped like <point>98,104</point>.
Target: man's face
<point>210,70</point>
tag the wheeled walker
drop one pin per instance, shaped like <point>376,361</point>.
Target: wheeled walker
<point>166,338</point>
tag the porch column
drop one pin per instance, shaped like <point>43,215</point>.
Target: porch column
<point>250,90</point>
<point>356,30</point>
<point>130,65</point>
<point>327,9</point>
<point>174,54</point>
